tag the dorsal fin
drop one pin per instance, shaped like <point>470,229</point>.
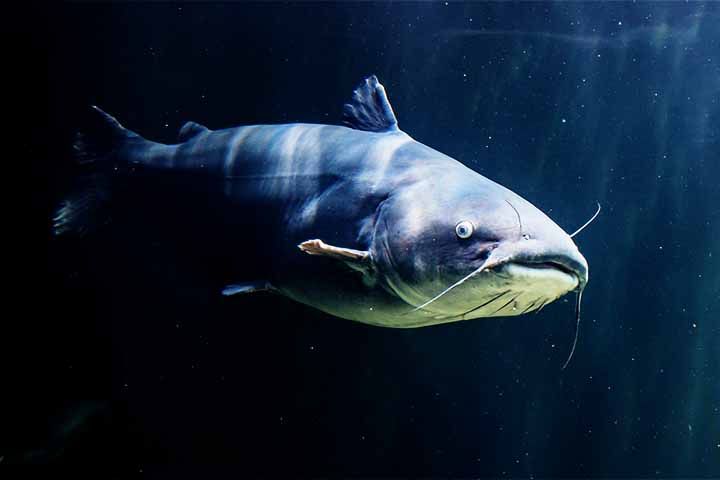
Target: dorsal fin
<point>370,109</point>
<point>189,130</point>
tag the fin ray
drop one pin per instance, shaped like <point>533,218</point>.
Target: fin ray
<point>94,150</point>
<point>370,109</point>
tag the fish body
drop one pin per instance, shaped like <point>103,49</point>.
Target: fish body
<point>360,221</point>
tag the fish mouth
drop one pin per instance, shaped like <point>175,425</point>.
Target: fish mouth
<point>561,276</point>
<point>549,265</point>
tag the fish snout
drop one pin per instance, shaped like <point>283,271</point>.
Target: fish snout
<point>574,264</point>
<point>562,256</point>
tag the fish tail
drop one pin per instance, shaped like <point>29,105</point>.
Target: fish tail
<point>96,151</point>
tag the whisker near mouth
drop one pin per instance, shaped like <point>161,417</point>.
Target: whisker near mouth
<point>588,222</point>
<point>488,264</point>
<point>487,303</point>
<point>578,301</point>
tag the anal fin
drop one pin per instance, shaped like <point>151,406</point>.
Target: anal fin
<point>247,287</point>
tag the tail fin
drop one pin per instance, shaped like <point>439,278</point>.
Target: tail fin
<point>94,151</point>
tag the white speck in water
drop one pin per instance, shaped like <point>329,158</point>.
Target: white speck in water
<point>564,120</point>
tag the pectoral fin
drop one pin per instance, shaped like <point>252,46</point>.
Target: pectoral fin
<point>318,247</point>
<point>358,260</point>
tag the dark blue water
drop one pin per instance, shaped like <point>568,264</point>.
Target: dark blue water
<point>129,360</point>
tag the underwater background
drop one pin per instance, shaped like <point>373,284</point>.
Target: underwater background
<point>127,361</point>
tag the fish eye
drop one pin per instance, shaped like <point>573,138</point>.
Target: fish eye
<point>464,229</point>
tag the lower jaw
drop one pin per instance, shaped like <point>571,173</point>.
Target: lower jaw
<point>522,289</point>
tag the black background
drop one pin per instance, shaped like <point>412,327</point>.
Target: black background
<point>122,360</point>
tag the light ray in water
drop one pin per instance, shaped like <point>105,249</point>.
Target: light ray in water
<point>663,32</point>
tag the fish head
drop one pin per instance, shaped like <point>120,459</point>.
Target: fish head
<point>460,246</point>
